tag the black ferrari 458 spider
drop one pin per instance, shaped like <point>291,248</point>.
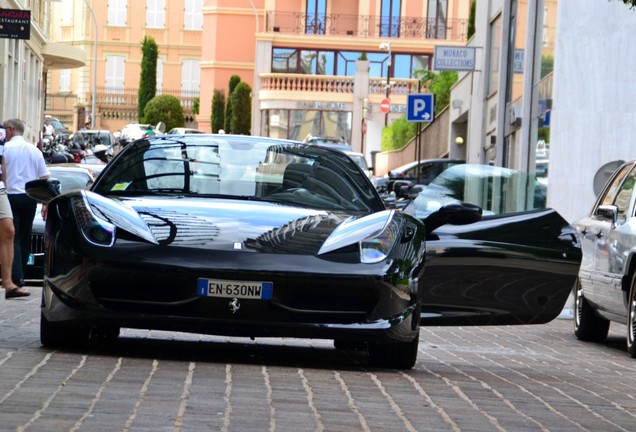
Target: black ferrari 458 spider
<point>249,236</point>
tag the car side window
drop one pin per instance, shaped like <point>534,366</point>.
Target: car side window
<point>612,190</point>
<point>610,195</point>
<point>624,194</point>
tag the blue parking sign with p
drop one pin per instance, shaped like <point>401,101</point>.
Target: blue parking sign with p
<point>420,107</point>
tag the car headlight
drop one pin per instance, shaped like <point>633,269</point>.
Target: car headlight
<point>95,230</point>
<point>376,248</point>
<point>374,234</point>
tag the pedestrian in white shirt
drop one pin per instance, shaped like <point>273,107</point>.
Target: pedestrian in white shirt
<point>49,130</point>
<point>7,233</point>
<point>23,162</point>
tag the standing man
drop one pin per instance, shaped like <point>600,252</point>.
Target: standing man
<point>49,131</point>
<point>23,163</point>
<point>7,233</point>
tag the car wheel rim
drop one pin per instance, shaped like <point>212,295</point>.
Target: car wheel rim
<point>578,304</point>
<point>631,331</point>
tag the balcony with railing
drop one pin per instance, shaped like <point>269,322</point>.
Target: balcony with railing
<point>366,26</point>
<point>278,85</point>
<point>113,103</point>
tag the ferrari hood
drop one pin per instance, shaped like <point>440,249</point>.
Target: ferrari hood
<point>231,225</point>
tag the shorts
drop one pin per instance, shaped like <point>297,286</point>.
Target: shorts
<point>5,207</point>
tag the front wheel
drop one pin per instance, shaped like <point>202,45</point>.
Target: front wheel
<point>587,325</point>
<point>394,355</point>
<point>631,319</point>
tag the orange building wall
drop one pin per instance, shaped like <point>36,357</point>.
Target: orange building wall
<point>413,9</point>
<point>228,48</point>
<point>175,45</point>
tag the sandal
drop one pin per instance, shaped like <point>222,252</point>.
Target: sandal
<point>17,292</point>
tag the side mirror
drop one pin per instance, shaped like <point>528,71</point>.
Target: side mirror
<point>43,190</point>
<point>608,213</point>
<point>414,191</point>
<point>400,187</point>
<point>454,214</point>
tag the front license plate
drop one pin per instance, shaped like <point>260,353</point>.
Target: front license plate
<point>231,288</point>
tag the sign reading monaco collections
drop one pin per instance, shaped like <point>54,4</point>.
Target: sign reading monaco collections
<point>15,24</point>
<point>449,58</point>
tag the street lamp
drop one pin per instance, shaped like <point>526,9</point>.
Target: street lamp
<point>386,46</point>
<point>94,97</point>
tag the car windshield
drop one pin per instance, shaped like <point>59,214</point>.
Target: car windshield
<point>497,190</point>
<point>57,125</point>
<point>241,167</point>
<point>360,160</point>
<point>71,179</point>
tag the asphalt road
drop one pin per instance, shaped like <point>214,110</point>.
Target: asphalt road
<point>518,378</point>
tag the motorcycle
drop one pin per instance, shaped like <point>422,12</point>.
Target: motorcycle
<point>55,150</point>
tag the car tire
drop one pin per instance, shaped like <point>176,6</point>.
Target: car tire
<point>588,326</point>
<point>54,335</point>
<point>631,319</point>
<point>393,355</point>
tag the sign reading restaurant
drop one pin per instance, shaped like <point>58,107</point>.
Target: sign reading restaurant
<point>450,58</point>
<point>15,24</point>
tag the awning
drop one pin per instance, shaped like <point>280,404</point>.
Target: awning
<point>63,56</point>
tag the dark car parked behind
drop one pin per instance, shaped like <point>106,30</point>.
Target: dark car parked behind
<point>413,173</point>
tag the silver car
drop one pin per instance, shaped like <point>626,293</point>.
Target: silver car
<point>606,287</point>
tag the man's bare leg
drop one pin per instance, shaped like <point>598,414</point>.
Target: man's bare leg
<point>6,253</point>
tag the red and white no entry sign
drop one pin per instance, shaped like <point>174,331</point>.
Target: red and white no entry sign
<point>385,106</point>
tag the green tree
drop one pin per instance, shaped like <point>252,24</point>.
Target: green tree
<point>630,3</point>
<point>234,81</point>
<point>148,77</point>
<point>547,65</point>
<point>241,98</point>
<point>438,83</point>
<point>218,111</point>
<point>471,19</point>
<point>164,108</point>
<point>398,134</point>
<point>196,103</point>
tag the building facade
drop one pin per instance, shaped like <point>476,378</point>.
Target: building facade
<point>323,68</point>
<point>25,61</point>
<point>501,111</point>
<point>594,113</point>
<point>111,33</point>
<point>316,67</point>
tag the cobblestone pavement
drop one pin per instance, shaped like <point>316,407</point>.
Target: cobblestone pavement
<point>519,378</point>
